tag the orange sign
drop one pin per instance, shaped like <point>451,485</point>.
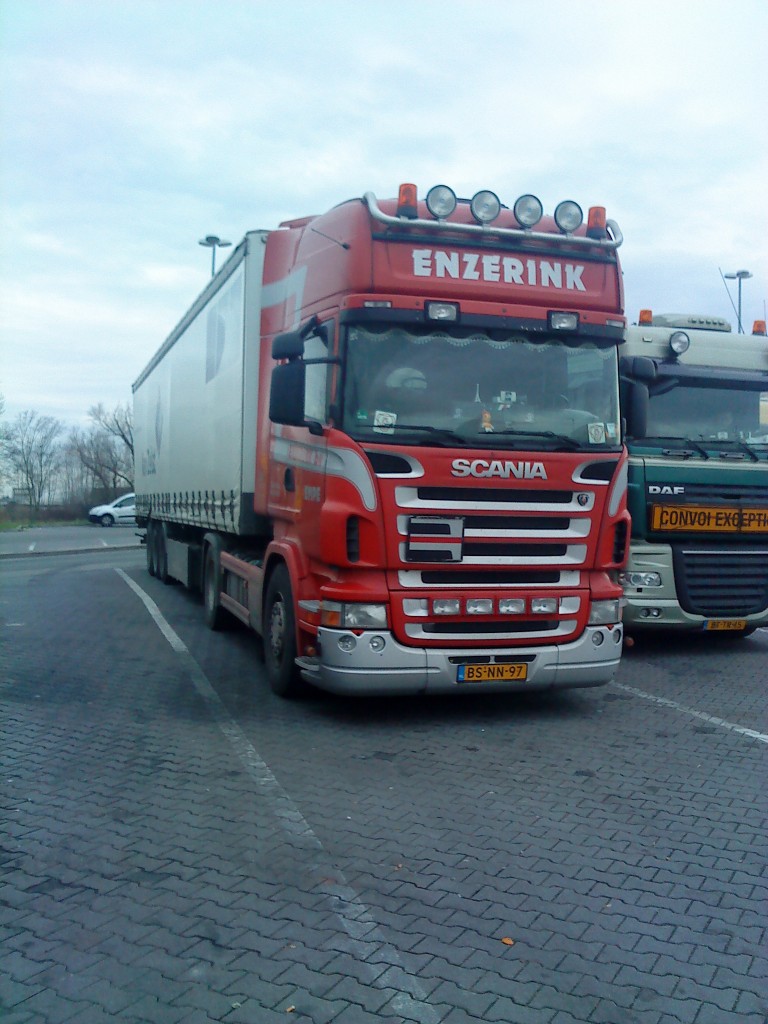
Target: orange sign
<point>709,519</point>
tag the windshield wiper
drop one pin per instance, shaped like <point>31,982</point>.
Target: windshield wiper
<point>739,445</point>
<point>695,447</point>
<point>440,435</point>
<point>563,440</point>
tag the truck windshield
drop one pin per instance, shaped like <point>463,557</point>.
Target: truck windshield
<point>704,410</point>
<point>465,386</point>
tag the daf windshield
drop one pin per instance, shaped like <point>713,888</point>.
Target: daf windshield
<point>471,387</point>
<point>705,410</point>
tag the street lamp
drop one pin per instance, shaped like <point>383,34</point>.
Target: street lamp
<point>740,275</point>
<point>213,242</point>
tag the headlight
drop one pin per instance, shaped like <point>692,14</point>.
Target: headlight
<point>485,206</point>
<point>604,612</point>
<point>568,216</point>
<point>446,606</point>
<point>640,579</point>
<point>479,606</point>
<point>528,211</point>
<point>441,201</point>
<point>340,615</point>
<point>679,342</point>
<point>512,606</point>
<point>543,605</point>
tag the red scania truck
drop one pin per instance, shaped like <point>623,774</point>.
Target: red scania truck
<point>388,439</point>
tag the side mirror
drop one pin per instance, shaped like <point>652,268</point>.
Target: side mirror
<point>634,400</point>
<point>286,397</point>
<point>638,368</point>
<point>288,346</point>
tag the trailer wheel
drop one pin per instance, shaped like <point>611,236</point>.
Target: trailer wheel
<point>161,553</point>
<point>280,636</point>
<point>150,548</point>
<point>215,615</point>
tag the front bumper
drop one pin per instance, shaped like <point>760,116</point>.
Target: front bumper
<point>412,670</point>
<point>659,607</point>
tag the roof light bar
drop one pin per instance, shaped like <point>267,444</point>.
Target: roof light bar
<point>758,327</point>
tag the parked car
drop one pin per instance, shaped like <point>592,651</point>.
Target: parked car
<point>121,510</point>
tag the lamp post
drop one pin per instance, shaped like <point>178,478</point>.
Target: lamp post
<point>213,242</point>
<point>739,275</point>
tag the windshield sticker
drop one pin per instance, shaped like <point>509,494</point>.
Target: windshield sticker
<point>384,422</point>
<point>596,432</point>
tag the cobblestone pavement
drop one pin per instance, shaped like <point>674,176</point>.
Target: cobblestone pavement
<point>178,845</point>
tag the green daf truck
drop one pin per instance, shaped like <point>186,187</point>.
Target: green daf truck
<point>695,400</point>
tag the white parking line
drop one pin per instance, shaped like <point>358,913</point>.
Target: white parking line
<point>367,940</point>
<point>761,737</point>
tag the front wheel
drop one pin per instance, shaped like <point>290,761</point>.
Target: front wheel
<point>280,636</point>
<point>215,615</point>
<point>107,520</point>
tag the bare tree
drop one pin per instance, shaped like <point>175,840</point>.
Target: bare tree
<point>118,423</point>
<point>105,449</point>
<point>31,451</point>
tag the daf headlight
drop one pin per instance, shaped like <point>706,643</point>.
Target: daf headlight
<point>640,579</point>
<point>341,615</point>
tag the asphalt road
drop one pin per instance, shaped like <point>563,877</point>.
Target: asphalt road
<point>179,845</point>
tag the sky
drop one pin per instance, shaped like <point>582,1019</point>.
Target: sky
<point>130,129</point>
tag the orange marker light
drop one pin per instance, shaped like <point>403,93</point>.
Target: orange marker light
<point>596,222</point>
<point>759,327</point>
<point>646,316</point>
<point>406,201</point>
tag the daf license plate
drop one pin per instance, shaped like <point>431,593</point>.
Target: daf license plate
<point>514,671</point>
<point>725,624</point>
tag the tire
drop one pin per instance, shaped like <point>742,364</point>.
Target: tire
<point>279,631</point>
<point>107,520</point>
<point>215,615</point>
<point>161,553</point>
<point>149,544</point>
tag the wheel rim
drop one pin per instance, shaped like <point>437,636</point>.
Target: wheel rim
<point>277,630</point>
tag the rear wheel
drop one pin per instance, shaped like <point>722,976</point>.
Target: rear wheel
<point>280,636</point>
<point>149,545</point>
<point>215,615</point>
<point>161,553</point>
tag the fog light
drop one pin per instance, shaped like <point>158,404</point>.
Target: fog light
<point>679,342</point>
<point>347,644</point>
<point>442,310</point>
<point>568,216</point>
<point>485,206</point>
<point>543,605</point>
<point>512,606</point>
<point>441,201</point>
<point>603,612</point>
<point>598,638</point>
<point>617,636</point>
<point>377,643</point>
<point>446,606</point>
<point>528,211</point>
<point>480,606</point>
